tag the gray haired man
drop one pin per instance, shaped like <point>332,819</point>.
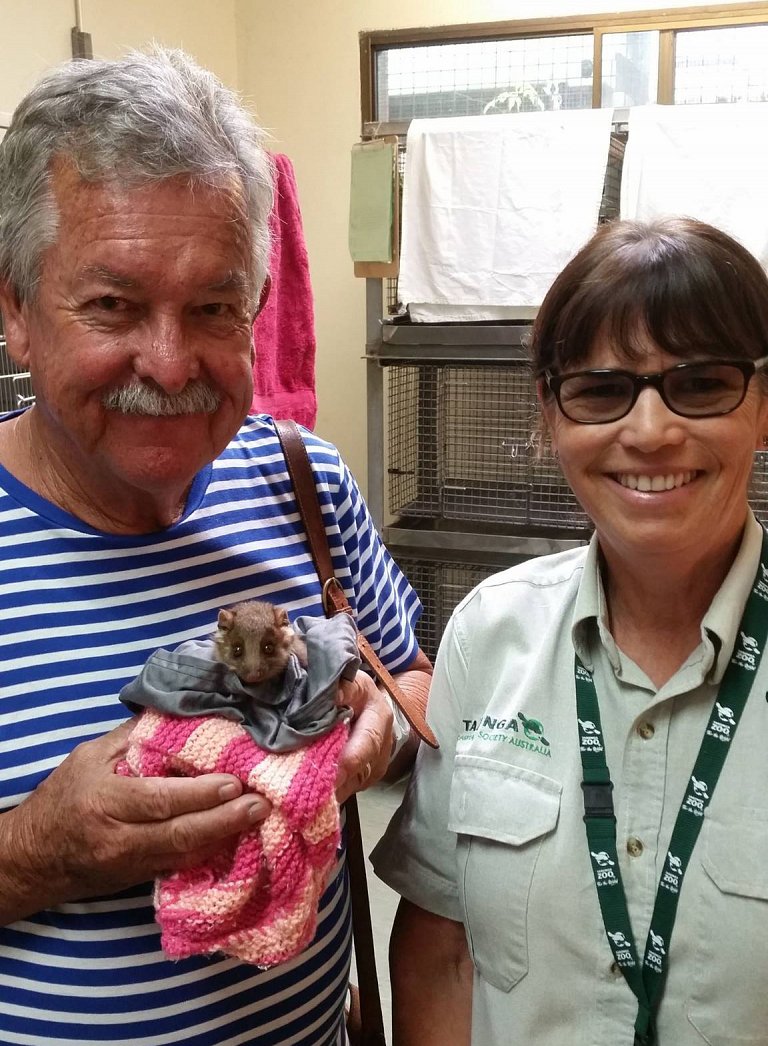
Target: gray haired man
<point>136,498</point>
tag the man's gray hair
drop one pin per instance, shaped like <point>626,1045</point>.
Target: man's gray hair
<point>141,119</point>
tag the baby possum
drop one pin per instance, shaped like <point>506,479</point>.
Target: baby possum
<point>256,639</point>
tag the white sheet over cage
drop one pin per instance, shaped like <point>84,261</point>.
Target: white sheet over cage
<point>703,161</point>
<point>494,207</point>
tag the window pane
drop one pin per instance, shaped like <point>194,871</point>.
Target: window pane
<point>491,76</point>
<point>630,69</point>
<point>721,65</point>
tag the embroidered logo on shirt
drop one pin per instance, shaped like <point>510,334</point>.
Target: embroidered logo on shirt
<point>508,731</point>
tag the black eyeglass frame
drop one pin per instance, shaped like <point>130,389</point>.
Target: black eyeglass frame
<point>748,369</point>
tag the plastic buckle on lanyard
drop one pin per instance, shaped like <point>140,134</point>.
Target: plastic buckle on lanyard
<point>598,799</point>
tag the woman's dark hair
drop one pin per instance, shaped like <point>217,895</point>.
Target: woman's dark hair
<point>688,287</point>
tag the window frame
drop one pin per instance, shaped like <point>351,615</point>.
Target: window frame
<point>666,22</point>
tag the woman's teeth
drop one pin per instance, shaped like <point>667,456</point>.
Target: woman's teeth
<point>655,483</point>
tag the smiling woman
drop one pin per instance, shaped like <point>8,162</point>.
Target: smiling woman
<point>639,657</point>
<point>660,455</point>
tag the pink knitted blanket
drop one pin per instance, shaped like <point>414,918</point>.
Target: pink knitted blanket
<point>257,899</point>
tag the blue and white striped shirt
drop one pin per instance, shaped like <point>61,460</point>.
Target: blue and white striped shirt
<point>81,611</point>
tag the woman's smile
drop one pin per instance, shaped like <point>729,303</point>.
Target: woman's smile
<point>655,483</point>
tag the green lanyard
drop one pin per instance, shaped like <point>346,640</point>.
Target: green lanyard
<point>646,979</point>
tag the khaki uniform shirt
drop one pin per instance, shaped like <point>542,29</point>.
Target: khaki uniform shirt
<point>491,832</point>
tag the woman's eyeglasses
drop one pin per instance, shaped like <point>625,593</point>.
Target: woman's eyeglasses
<point>692,390</point>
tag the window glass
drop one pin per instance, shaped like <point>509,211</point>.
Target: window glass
<point>630,69</point>
<point>488,76</point>
<point>721,65</point>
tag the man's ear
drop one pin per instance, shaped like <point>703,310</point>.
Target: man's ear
<point>15,325</point>
<point>264,295</point>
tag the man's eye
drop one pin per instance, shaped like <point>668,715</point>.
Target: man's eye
<point>214,308</point>
<point>108,302</point>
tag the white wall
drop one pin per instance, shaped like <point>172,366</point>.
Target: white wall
<point>299,61</point>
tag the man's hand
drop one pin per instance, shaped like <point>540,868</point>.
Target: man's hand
<point>86,831</point>
<point>365,757</point>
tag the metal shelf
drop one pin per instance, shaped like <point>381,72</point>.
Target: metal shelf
<point>445,538</point>
<point>475,343</point>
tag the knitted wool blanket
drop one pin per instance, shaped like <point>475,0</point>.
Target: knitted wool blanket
<point>257,898</point>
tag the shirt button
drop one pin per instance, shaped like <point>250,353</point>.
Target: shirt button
<point>646,731</point>
<point>615,968</point>
<point>634,846</point>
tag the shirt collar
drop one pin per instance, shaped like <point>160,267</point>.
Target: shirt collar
<point>720,623</point>
<point>590,604</point>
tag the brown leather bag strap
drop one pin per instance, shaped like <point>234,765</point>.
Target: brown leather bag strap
<point>371,1030</point>
<point>413,705</point>
<point>302,477</point>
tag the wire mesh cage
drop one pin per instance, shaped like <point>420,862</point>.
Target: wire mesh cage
<point>15,384</point>
<point>441,585</point>
<point>460,448</point>
<point>611,199</point>
<point>758,487</point>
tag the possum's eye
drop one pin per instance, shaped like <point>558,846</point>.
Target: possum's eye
<point>237,650</point>
<point>268,648</point>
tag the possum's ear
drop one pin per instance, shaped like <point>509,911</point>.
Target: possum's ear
<point>225,620</point>
<point>281,617</point>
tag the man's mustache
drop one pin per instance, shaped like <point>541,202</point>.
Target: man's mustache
<point>197,397</point>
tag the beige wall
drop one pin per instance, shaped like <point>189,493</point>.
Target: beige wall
<point>35,35</point>
<point>299,61</point>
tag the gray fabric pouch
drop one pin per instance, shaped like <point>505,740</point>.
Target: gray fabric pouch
<point>280,714</point>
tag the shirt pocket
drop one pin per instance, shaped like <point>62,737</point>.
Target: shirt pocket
<point>500,814</point>
<point>729,1005</point>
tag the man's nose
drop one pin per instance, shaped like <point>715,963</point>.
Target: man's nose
<point>166,354</point>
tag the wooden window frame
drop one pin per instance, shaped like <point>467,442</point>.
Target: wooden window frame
<point>665,21</point>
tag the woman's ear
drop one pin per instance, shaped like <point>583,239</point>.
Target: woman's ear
<point>15,326</point>
<point>548,410</point>
<point>761,427</point>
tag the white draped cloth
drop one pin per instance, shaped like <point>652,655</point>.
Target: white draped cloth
<point>494,207</point>
<point>704,161</point>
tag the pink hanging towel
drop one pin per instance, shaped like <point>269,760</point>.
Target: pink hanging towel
<point>284,331</point>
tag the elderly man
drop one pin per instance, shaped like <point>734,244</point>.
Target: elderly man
<point>134,501</point>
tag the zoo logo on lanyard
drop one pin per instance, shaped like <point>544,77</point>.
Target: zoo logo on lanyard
<point>645,980</point>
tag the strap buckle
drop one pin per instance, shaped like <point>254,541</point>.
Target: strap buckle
<point>598,799</point>
<point>333,598</point>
